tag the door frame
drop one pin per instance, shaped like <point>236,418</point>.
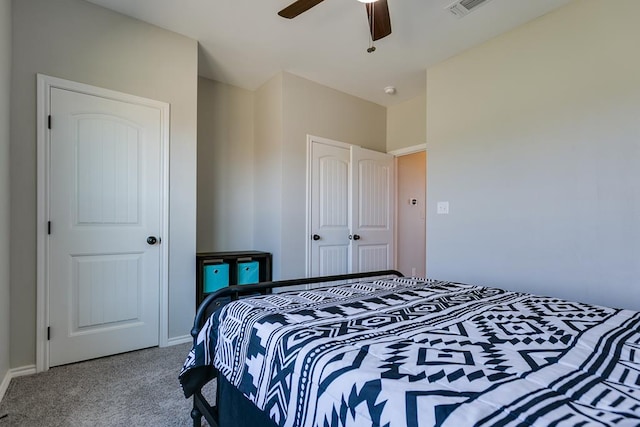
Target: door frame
<point>308,227</point>
<point>399,153</point>
<point>44,85</point>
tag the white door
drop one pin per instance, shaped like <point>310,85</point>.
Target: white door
<point>372,213</point>
<point>329,209</point>
<point>351,210</point>
<point>105,201</point>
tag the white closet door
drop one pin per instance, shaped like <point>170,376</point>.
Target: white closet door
<point>351,210</point>
<point>372,213</point>
<point>329,216</point>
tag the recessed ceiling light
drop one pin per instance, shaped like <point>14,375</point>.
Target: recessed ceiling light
<point>390,90</point>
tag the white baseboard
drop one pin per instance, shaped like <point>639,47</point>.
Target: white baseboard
<point>179,340</point>
<point>4,385</point>
<point>14,373</point>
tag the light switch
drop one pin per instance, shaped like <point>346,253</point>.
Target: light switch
<point>443,208</point>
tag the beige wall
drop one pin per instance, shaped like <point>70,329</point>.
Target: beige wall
<point>407,123</point>
<point>268,173</point>
<point>412,182</point>
<point>310,108</point>
<point>285,110</point>
<point>79,41</point>
<point>225,167</point>
<point>5,93</point>
<point>534,140</point>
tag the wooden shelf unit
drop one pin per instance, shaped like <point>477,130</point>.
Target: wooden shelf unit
<point>233,261</point>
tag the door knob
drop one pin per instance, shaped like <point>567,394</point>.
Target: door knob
<point>316,237</point>
<point>356,237</point>
<point>152,240</point>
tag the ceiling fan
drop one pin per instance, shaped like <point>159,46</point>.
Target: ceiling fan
<point>377,13</point>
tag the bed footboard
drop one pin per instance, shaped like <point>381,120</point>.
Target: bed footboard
<point>201,407</point>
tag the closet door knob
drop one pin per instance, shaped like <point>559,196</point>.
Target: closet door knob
<point>356,237</point>
<point>316,237</point>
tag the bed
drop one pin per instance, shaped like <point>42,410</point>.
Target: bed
<point>379,349</point>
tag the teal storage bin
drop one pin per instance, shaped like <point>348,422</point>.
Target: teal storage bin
<point>216,276</point>
<point>248,272</point>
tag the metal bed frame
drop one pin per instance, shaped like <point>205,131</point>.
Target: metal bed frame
<point>201,407</point>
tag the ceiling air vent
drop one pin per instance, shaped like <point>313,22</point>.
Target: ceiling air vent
<point>462,7</point>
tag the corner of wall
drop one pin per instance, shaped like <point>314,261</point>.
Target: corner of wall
<point>5,226</point>
<point>166,67</point>
<point>4,385</point>
<point>268,147</point>
<point>407,123</point>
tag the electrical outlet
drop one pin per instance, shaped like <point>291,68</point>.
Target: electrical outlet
<point>443,208</point>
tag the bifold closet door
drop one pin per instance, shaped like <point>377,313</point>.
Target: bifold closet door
<point>351,209</point>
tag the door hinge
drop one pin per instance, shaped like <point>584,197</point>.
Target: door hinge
<point>48,333</point>
<point>49,227</point>
<point>49,121</point>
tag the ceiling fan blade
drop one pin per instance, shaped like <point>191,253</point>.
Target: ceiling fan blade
<point>379,19</point>
<point>298,7</point>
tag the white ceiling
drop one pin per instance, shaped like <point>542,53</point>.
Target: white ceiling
<point>245,42</point>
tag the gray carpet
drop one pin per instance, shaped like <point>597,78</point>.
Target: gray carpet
<point>140,388</point>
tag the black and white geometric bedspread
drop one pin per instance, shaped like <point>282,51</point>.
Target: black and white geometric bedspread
<point>412,352</point>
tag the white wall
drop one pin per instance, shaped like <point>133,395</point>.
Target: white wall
<point>5,93</point>
<point>534,139</point>
<point>225,167</point>
<point>79,41</point>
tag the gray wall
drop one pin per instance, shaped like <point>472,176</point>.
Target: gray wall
<point>5,93</point>
<point>311,108</point>
<point>263,176</point>
<point>534,139</point>
<point>79,41</point>
<point>268,173</point>
<point>225,167</point>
